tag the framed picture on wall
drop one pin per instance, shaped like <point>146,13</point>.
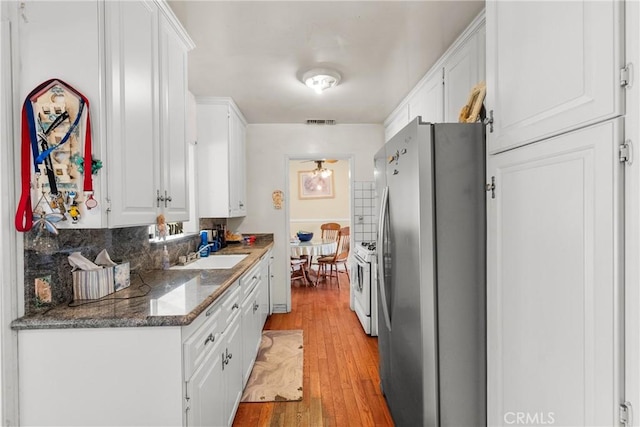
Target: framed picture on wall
<point>312,185</point>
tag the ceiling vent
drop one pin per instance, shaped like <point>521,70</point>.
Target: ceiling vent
<point>320,122</point>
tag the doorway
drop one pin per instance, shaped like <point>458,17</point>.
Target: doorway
<point>309,206</point>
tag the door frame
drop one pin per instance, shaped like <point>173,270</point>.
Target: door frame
<point>631,355</point>
<point>11,277</point>
<point>287,196</point>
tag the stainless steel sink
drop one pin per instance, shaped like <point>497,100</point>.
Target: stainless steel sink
<point>213,262</point>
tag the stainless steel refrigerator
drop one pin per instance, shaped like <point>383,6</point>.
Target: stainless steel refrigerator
<point>431,274</point>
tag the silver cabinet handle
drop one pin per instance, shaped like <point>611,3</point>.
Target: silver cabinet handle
<point>210,338</point>
<point>208,313</point>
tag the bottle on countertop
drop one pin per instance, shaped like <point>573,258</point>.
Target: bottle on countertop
<point>203,249</point>
<point>165,258</point>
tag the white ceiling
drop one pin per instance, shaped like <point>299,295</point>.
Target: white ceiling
<point>256,51</point>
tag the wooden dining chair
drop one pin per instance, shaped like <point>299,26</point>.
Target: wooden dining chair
<point>330,231</point>
<point>340,257</point>
<point>299,270</point>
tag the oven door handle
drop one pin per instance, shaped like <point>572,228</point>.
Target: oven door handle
<point>358,275</point>
<point>384,211</point>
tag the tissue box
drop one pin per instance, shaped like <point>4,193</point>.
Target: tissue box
<point>92,284</point>
<point>95,284</point>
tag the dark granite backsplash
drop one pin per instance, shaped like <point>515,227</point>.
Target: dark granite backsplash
<point>123,244</point>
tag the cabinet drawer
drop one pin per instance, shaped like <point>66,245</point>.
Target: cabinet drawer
<point>200,343</point>
<point>250,279</point>
<point>230,304</point>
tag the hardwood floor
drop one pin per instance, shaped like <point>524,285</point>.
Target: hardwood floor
<point>340,380</point>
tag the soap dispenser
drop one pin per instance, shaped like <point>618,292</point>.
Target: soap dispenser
<point>165,258</point>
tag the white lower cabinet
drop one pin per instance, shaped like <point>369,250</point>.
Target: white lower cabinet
<point>206,401</point>
<point>213,391</point>
<point>250,331</point>
<point>554,296</point>
<point>170,375</point>
<point>254,285</point>
<point>232,369</point>
<point>265,295</point>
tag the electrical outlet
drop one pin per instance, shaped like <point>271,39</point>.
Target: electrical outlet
<point>43,289</point>
<point>360,219</point>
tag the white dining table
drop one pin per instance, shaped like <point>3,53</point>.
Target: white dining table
<point>310,249</point>
<point>313,248</point>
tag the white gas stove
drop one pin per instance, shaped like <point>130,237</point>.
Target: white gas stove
<point>364,288</point>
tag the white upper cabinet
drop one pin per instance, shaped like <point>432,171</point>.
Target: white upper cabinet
<point>221,158</point>
<point>173,125</point>
<point>148,87</point>
<point>445,88</point>
<point>133,153</point>
<point>81,66</point>
<point>130,59</point>
<point>551,67</point>
<point>237,167</point>
<point>427,101</point>
<point>462,71</point>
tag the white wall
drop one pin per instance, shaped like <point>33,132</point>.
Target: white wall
<point>269,147</point>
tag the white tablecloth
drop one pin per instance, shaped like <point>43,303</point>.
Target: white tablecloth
<point>313,248</point>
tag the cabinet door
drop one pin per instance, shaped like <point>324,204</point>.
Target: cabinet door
<point>266,286</point>
<point>237,165</point>
<point>213,160</point>
<point>205,406</point>
<point>233,369</point>
<point>461,74</point>
<point>132,111</point>
<point>242,169</point>
<point>173,101</point>
<point>427,102</point>
<point>554,280</point>
<point>250,319</point>
<point>551,67</point>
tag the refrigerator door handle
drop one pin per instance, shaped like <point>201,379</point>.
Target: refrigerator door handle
<point>384,207</point>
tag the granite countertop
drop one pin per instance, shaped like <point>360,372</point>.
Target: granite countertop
<point>154,298</point>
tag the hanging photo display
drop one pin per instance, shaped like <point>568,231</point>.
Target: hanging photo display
<point>55,152</point>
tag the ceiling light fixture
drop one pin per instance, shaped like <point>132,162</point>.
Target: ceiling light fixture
<point>321,170</point>
<point>320,79</point>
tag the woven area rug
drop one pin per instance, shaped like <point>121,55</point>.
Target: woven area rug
<point>277,373</point>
